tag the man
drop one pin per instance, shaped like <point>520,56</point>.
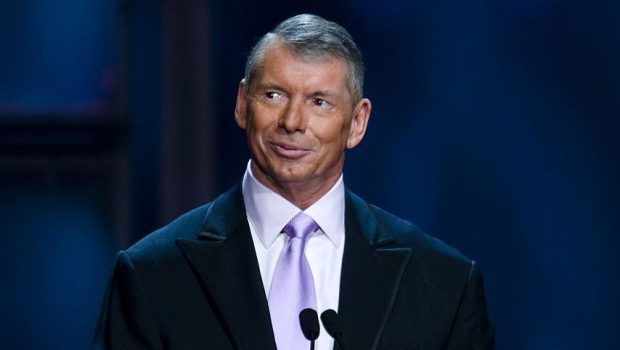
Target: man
<point>235,273</point>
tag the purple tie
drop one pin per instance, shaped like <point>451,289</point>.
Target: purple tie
<point>292,286</point>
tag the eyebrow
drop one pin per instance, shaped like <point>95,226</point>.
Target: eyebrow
<point>325,93</point>
<point>269,86</point>
<point>274,86</point>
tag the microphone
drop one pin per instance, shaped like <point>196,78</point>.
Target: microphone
<point>333,325</point>
<point>309,322</point>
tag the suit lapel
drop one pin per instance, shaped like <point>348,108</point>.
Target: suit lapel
<point>224,261</point>
<point>371,274</point>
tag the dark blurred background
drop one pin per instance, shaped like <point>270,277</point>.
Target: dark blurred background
<point>494,127</point>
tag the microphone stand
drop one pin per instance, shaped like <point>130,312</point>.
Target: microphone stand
<point>309,322</point>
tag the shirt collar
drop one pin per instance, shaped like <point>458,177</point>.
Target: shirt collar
<point>268,212</point>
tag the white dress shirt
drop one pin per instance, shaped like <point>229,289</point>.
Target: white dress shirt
<point>268,213</point>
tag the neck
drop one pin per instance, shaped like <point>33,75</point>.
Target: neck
<point>301,193</point>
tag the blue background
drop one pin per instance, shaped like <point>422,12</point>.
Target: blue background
<point>494,127</point>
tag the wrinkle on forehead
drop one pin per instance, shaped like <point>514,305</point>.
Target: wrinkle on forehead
<point>275,49</point>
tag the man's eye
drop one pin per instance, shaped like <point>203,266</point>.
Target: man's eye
<point>320,102</point>
<point>272,95</point>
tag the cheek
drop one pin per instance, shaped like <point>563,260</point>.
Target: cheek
<point>335,133</point>
<point>262,121</point>
<point>254,138</point>
<point>333,142</point>
<point>256,133</point>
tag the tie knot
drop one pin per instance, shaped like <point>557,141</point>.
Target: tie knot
<point>301,225</point>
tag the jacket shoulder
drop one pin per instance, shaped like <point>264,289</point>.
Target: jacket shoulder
<point>161,242</point>
<point>407,234</point>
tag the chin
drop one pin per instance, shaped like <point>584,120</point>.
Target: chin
<point>288,176</point>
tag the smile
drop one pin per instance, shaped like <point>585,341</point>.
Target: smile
<point>287,150</point>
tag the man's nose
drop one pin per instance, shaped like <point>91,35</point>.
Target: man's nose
<point>292,118</point>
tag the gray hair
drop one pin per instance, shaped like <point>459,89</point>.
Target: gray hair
<point>312,37</point>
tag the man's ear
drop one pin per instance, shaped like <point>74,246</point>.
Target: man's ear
<point>359,122</point>
<point>241,105</point>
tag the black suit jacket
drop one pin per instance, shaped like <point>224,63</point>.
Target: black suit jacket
<point>195,284</point>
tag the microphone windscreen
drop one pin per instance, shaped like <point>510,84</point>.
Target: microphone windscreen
<point>309,322</point>
<point>332,323</point>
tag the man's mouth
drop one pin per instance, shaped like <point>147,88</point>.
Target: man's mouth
<point>287,150</point>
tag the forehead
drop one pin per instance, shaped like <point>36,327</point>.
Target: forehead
<point>281,63</point>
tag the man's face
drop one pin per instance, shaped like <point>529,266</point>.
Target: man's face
<point>299,118</point>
